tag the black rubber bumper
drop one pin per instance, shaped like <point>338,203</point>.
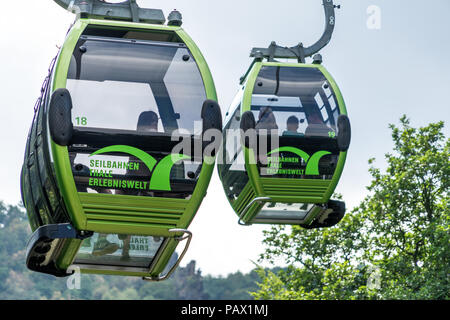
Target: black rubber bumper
<point>42,248</point>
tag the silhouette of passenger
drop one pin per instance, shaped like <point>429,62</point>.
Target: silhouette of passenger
<point>147,122</point>
<point>292,124</point>
<point>316,127</point>
<point>266,119</point>
<point>315,118</point>
<point>292,127</point>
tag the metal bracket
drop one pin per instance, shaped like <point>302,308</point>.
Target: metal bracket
<point>128,10</point>
<point>187,236</point>
<point>39,248</point>
<point>244,212</point>
<point>299,52</point>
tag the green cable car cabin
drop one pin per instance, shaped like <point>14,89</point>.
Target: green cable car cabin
<point>286,137</point>
<point>295,134</point>
<point>103,190</point>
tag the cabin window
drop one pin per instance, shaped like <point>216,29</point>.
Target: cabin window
<point>113,83</point>
<point>231,159</point>
<point>119,250</point>
<point>300,104</point>
<point>132,95</point>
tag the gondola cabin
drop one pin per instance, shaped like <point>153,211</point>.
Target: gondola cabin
<point>294,137</point>
<point>102,187</point>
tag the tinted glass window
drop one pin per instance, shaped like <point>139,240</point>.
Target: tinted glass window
<point>284,212</point>
<point>301,106</point>
<point>134,94</point>
<point>296,101</point>
<point>113,82</point>
<point>231,164</point>
<point>119,250</point>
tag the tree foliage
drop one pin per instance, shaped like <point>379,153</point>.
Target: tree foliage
<point>394,245</point>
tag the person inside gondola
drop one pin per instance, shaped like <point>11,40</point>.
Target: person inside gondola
<point>316,127</point>
<point>266,119</point>
<point>147,122</point>
<point>292,126</point>
<point>266,122</point>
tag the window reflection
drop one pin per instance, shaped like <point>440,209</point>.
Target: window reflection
<point>295,212</point>
<point>292,99</point>
<point>114,82</point>
<point>119,250</point>
<point>133,93</point>
<point>298,103</point>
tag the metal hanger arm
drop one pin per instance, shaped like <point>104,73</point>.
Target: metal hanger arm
<point>330,21</point>
<point>299,52</point>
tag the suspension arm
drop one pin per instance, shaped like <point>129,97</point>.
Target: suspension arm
<point>300,52</point>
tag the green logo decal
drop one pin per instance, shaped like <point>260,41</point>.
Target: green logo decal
<point>161,176</point>
<point>160,179</point>
<point>147,159</point>
<point>312,162</point>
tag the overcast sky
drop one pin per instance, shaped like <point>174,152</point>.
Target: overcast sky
<point>402,68</point>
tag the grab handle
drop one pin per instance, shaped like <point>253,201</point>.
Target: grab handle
<point>244,212</point>
<point>187,236</point>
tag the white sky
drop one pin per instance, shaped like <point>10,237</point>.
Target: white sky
<point>403,68</point>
